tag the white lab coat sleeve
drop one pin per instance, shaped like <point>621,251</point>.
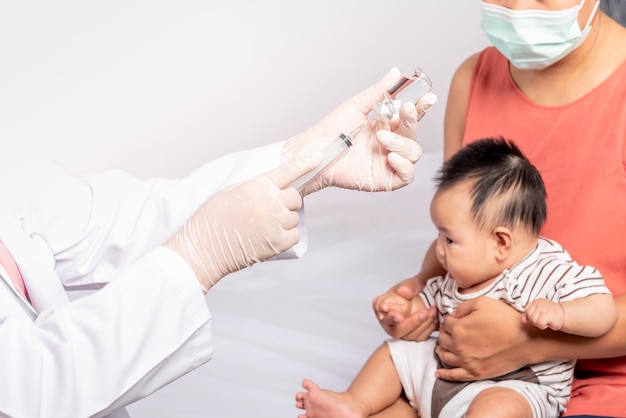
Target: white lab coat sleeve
<point>106,350</point>
<point>100,223</point>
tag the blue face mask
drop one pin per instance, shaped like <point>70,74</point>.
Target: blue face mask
<point>534,39</point>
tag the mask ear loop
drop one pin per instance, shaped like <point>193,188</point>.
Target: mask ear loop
<point>593,13</point>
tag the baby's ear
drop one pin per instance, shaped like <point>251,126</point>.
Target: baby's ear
<point>503,241</point>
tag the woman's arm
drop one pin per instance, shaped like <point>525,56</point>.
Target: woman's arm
<point>456,107</point>
<point>612,344</point>
<point>508,344</point>
<point>590,316</point>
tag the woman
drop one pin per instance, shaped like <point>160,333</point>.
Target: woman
<point>564,104</point>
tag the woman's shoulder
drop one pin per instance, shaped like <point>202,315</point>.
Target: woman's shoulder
<point>456,106</point>
<point>465,70</point>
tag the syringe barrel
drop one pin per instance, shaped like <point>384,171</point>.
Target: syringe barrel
<point>331,152</point>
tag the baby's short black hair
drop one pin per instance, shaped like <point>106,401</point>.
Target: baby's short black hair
<point>506,188</point>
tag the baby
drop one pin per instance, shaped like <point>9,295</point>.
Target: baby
<point>488,208</point>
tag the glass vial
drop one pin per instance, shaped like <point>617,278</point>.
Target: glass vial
<point>410,88</point>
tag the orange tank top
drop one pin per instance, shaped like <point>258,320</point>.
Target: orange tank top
<point>580,150</point>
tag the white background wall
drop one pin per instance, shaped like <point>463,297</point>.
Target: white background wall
<point>158,87</point>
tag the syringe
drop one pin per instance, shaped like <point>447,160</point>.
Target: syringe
<point>409,88</point>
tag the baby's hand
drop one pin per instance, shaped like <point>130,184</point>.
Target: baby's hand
<point>543,314</point>
<point>391,304</point>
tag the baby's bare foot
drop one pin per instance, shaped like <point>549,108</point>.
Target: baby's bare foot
<point>321,403</point>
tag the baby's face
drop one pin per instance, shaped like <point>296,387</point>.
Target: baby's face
<point>463,249</point>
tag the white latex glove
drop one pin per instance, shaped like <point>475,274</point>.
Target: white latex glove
<point>383,154</point>
<point>243,224</point>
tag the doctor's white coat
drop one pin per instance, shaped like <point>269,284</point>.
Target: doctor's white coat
<point>148,326</point>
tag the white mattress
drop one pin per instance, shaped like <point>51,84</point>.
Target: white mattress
<point>279,322</point>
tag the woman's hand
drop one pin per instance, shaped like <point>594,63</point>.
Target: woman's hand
<point>475,345</point>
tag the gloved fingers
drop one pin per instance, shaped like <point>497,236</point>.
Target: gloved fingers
<point>404,147</point>
<point>287,173</point>
<point>410,114</point>
<point>281,204</point>
<point>291,198</point>
<point>424,104</point>
<point>407,121</point>
<point>277,234</point>
<point>365,100</point>
<point>404,170</point>
<point>288,238</point>
<point>288,220</point>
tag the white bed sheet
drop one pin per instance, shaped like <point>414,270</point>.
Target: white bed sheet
<point>279,322</point>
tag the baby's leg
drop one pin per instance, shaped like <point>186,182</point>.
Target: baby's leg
<point>376,387</point>
<point>322,403</point>
<point>400,409</point>
<point>499,402</point>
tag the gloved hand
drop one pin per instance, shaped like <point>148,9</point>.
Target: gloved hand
<point>243,224</point>
<point>382,155</point>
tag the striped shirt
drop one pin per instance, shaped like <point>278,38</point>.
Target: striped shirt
<point>546,272</point>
